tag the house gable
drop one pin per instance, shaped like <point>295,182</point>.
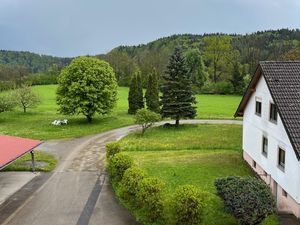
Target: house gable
<point>283,81</point>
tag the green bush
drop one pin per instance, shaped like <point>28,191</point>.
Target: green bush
<point>112,148</point>
<point>217,88</point>
<point>248,199</point>
<point>188,205</point>
<point>146,118</point>
<point>149,197</point>
<point>130,182</point>
<point>223,88</point>
<point>118,164</point>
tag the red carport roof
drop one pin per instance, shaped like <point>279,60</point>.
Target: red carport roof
<point>12,148</point>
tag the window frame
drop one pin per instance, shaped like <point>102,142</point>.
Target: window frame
<point>265,153</point>
<point>273,106</point>
<point>257,100</point>
<point>284,193</point>
<point>281,165</point>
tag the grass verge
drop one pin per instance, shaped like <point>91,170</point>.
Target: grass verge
<point>45,162</point>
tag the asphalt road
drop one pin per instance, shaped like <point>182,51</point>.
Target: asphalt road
<point>78,191</point>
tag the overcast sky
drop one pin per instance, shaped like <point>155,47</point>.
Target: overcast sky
<point>79,27</point>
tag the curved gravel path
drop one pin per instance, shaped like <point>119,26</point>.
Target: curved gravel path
<point>78,191</point>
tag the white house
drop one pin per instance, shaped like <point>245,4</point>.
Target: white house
<point>271,130</point>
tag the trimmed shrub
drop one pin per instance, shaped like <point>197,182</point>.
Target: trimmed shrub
<point>118,164</point>
<point>188,205</point>
<point>149,197</point>
<point>112,148</point>
<point>130,182</point>
<point>248,199</point>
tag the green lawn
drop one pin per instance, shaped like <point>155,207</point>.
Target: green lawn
<point>24,163</point>
<point>193,154</point>
<point>36,122</point>
<point>217,106</point>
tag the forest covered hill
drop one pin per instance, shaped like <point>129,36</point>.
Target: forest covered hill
<point>221,54</point>
<point>219,63</point>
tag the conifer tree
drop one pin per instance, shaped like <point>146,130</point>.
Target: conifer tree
<point>152,92</point>
<point>177,96</point>
<point>237,79</point>
<point>135,95</point>
<point>140,95</point>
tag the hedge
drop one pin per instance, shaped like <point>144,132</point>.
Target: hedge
<point>118,164</point>
<point>130,182</point>
<point>149,197</point>
<point>248,199</point>
<point>112,148</point>
<point>188,205</point>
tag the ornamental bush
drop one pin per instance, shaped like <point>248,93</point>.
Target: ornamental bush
<point>146,118</point>
<point>118,164</point>
<point>248,199</point>
<point>188,205</point>
<point>112,148</point>
<point>130,182</point>
<point>149,198</point>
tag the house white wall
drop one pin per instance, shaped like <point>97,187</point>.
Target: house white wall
<point>254,127</point>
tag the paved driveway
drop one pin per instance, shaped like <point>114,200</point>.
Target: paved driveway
<point>78,191</point>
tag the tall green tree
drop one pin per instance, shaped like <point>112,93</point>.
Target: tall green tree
<point>237,79</point>
<point>177,96</point>
<point>140,94</point>
<point>152,92</point>
<point>87,86</point>
<point>135,95</point>
<point>217,52</point>
<point>196,67</point>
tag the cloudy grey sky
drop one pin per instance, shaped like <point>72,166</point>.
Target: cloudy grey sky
<point>79,27</point>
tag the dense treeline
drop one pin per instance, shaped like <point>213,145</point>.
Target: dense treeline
<point>219,63</point>
<point>34,63</point>
<point>17,68</point>
<point>14,76</point>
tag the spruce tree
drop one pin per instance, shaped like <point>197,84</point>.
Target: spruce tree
<point>152,92</point>
<point>139,94</point>
<point>135,95</point>
<point>177,96</point>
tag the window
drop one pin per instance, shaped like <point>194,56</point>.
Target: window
<point>284,193</point>
<point>254,164</point>
<point>273,113</point>
<point>265,174</point>
<point>258,108</point>
<point>265,146</point>
<point>281,158</point>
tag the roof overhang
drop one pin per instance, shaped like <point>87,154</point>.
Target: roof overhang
<point>12,148</point>
<point>249,91</point>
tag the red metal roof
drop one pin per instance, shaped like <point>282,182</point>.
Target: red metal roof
<point>12,148</point>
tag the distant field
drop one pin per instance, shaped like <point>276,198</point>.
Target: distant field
<point>217,106</point>
<point>36,123</point>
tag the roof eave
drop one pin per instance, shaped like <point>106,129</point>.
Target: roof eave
<point>248,93</point>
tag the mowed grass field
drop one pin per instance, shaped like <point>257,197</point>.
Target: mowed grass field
<point>36,123</point>
<point>193,154</point>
